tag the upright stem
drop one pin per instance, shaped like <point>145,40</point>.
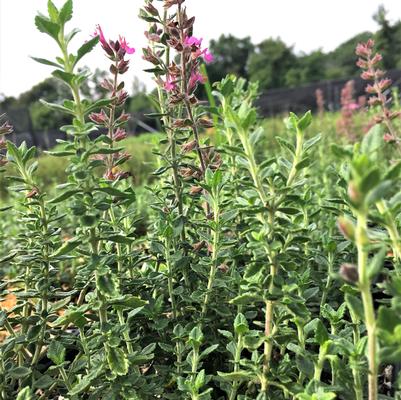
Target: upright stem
<point>170,279</point>
<point>367,300</point>
<point>355,370</point>
<point>392,232</point>
<point>215,250</point>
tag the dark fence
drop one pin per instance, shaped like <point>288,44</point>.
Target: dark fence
<point>21,120</point>
<point>273,102</point>
<point>303,98</point>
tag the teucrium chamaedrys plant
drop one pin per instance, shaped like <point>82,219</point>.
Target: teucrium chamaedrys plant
<point>231,290</point>
<point>96,203</point>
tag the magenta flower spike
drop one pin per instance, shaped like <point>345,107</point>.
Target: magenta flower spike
<point>125,46</point>
<point>192,41</point>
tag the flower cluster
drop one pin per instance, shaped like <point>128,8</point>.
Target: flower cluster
<point>5,129</point>
<point>177,56</point>
<point>345,124</point>
<point>184,77</point>
<point>368,61</point>
<point>107,118</point>
<point>320,101</point>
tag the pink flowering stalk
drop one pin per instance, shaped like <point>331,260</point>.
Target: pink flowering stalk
<point>111,48</point>
<point>345,124</point>
<point>320,101</point>
<point>107,117</point>
<point>176,55</point>
<point>368,61</point>
<point>5,129</point>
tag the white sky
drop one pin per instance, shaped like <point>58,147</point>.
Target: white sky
<point>306,24</point>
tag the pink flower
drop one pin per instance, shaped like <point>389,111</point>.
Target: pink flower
<point>99,32</point>
<point>119,134</point>
<point>192,41</point>
<point>196,77</point>
<point>207,56</point>
<point>169,85</point>
<point>125,46</point>
<point>388,138</point>
<point>352,106</point>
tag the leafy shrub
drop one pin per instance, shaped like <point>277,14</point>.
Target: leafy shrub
<point>268,267</point>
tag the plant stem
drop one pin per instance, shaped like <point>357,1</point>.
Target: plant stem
<point>392,231</point>
<point>237,359</point>
<point>215,195</point>
<point>367,300</point>
<point>355,371</point>
<point>170,278</point>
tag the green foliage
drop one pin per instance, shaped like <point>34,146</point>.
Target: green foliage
<point>267,266</point>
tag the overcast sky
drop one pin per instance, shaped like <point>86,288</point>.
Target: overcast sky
<point>307,25</point>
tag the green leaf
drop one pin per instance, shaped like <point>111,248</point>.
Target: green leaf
<point>355,307</point>
<point>117,360</point>
<point>372,142</point>
<point>52,10</point>
<point>241,324</point>
<point>321,335</point>
<point>235,376</point>
<point>200,379</point>
<point>56,352</point>
<point>394,171</point>
<point>107,283</point>
<point>311,142</point>
<point>46,62</point>
<point>66,12</point>
<point>44,25</point>
<point>86,48</point>
<point>388,319</point>
<point>246,299</point>
<point>119,239</point>
<point>56,107</point>
<point>382,190</point>
<point>25,394</point>
<point>86,381</point>
<point>64,196</point>
<point>376,264</point>
<point>44,382</point>
<point>371,180</point>
<point>305,121</point>
<point>305,364</point>
<point>128,302</point>
<point>64,76</point>
<point>117,193</point>
<point>67,247</point>
<point>13,151</point>
<point>196,337</point>
<point>208,350</point>
<point>19,372</point>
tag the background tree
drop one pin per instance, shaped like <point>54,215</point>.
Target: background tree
<point>388,39</point>
<point>270,63</point>
<point>308,68</point>
<point>230,57</point>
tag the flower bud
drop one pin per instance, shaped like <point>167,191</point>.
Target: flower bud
<point>195,190</point>
<point>189,146</point>
<point>206,123</point>
<point>384,84</point>
<point>354,194</point>
<point>99,118</point>
<point>33,193</point>
<point>199,246</point>
<point>151,9</point>
<point>6,128</point>
<point>349,272</point>
<point>119,134</point>
<point>346,227</point>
